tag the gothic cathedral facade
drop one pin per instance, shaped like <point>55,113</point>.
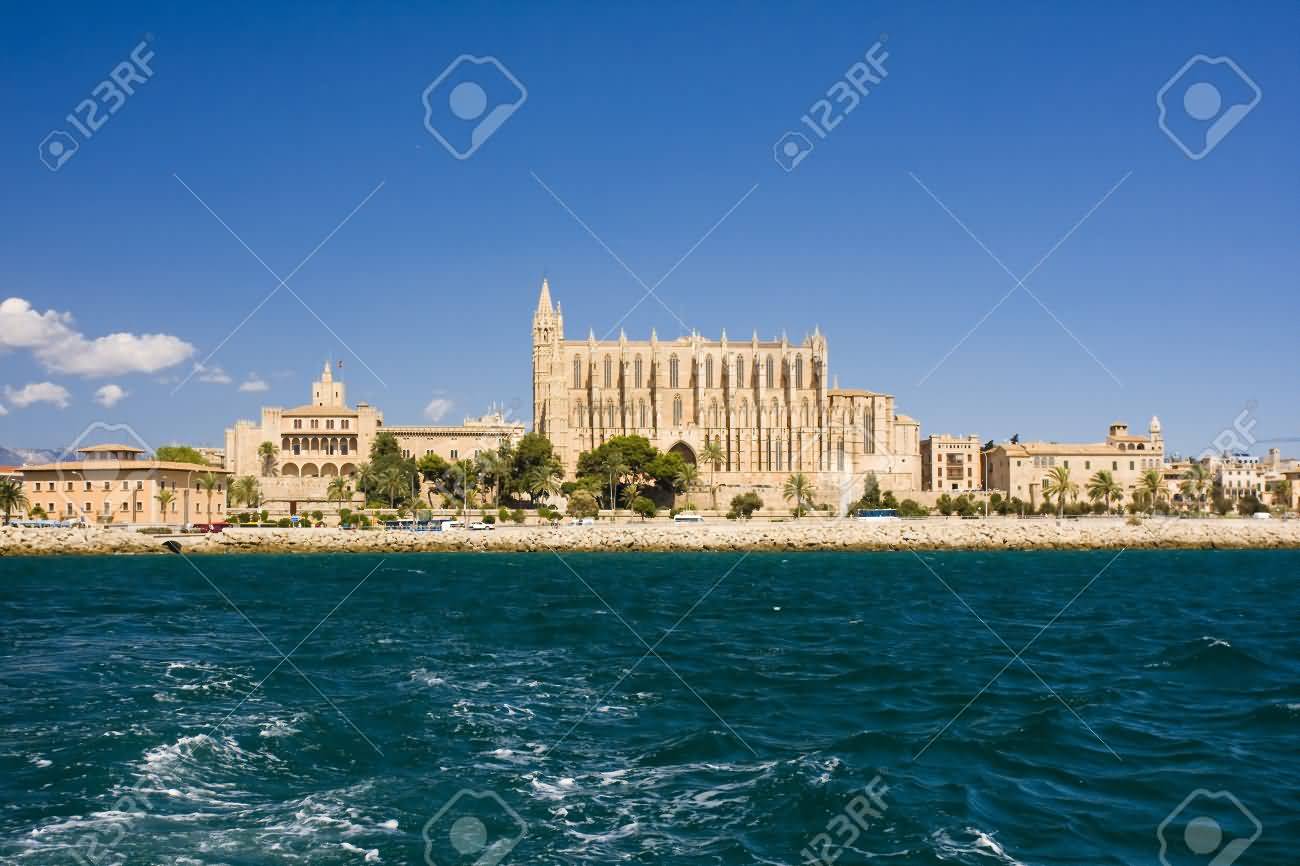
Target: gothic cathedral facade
<point>769,406</point>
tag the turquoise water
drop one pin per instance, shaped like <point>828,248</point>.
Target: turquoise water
<point>499,708</point>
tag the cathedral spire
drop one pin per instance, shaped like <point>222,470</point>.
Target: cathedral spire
<point>544,298</point>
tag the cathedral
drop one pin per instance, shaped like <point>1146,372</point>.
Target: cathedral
<point>769,405</point>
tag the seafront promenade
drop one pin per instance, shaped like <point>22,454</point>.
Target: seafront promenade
<point>923,534</point>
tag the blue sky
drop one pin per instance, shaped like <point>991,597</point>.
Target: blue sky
<point>651,123</point>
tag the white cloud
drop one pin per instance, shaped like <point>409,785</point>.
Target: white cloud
<point>109,395</point>
<point>254,384</point>
<point>437,409</point>
<point>38,392</point>
<point>3,410</point>
<point>212,375</point>
<point>60,348</point>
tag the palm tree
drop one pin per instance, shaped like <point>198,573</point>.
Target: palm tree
<point>392,481</point>
<point>613,468</point>
<point>12,497</point>
<point>1103,485</point>
<point>798,488</point>
<point>208,483</point>
<point>541,482</point>
<point>267,451</point>
<point>164,498</point>
<point>491,464</point>
<point>338,491</point>
<point>1058,484</point>
<point>1196,481</point>
<point>1152,485</point>
<point>367,479</point>
<point>686,479</point>
<point>631,490</point>
<point>246,491</point>
<point>713,455</point>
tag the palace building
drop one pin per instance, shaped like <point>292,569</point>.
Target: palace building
<point>769,405</point>
<point>327,438</point>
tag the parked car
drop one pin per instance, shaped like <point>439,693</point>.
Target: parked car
<point>480,525</point>
<point>1261,515</point>
<point>687,517</point>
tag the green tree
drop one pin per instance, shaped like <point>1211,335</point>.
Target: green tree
<point>1058,484</point>
<point>179,454</point>
<point>630,493</point>
<point>338,491</point>
<point>612,468</point>
<point>541,480</point>
<point>1151,485</point>
<point>494,467</point>
<point>798,488</point>
<point>165,498</point>
<point>1196,481</point>
<point>208,483</point>
<point>712,456</point>
<point>871,491</point>
<point>944,504</point>
<point>245,491</point>
<point>743,505</point>
<point>685,481</point>
<point>644,507</point>
<point>1103,486</point>
<point>392,482</point>
<point>268,452</point>
<point>582,504</point>
<point>12,497</point>
<point>433,467</point>
<point>532,451</point>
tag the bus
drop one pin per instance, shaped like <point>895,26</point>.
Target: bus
<point>876,514</point>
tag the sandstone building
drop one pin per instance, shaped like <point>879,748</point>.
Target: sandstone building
<point>770,405</point>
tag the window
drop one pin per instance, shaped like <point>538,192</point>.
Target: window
<point>297,423</point>
<point>343,424</point>
<point>578,420</point>
<point>839,455</point>
<point>740,372</point>
<point>672,372</point>
<point>455,455</point>
<point>108,486</point>
<point>744,414</point>
<point>771,373</point>
<point>641,409</point>
<point>1087,464</point>
<point>636,372</point>
<point>609,415</point>
<point>609,373</point>
<point>798,371</point>
<point>708,372</point>
<point>1114,464</point>
<point>677,409</point>
<point>1130,465</point>
<point>87,486</point>
<point>577,373</point>
<point>315,425</point>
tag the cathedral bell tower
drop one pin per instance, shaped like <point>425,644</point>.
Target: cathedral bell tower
<point>550,408</point>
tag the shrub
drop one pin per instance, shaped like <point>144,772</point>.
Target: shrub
<point>582,504</point>
<point>743,505</point>
<point>503,514</point>
<point>489,519</point>
<point>888,500</point>
<point>284,523</point>
<point>644,507</point>
<point>345,516</point>
<point>517,516</point>
<point>317,516</point>
<point>944,504</point>
<point>911,508</point>
<point>264,516</point>
<point>675,510</point>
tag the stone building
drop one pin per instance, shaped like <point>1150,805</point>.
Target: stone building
<point>1022,468</point>
<point>951,463</point>
<point>118,484</point>
<point>769,405</point>
<point>326,438</point>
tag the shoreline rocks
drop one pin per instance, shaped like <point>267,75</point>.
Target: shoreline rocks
<point>632,535</point>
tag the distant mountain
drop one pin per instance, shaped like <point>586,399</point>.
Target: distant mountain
<point>19,456</point>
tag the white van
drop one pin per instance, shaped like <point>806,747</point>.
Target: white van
<point>687,517</point>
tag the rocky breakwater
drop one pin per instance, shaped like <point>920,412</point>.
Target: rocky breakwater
<point>929,534</point>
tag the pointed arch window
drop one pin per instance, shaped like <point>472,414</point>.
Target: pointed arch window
<point>798,371</point>
<point>744,414</point>
<point>713,414</point>
<point>636,370</point>
<point>677,411</point>
<point>672,372</point>
<point>839,455</point>
<point>803,421</point>
<point>609,415</point>
<point>577,420</point>
<point>577,373</point>
<point>708,372</point>
<point>609,372</point>
<point>641,411</point>
<point>771,372</point>
<point>740,372</point>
